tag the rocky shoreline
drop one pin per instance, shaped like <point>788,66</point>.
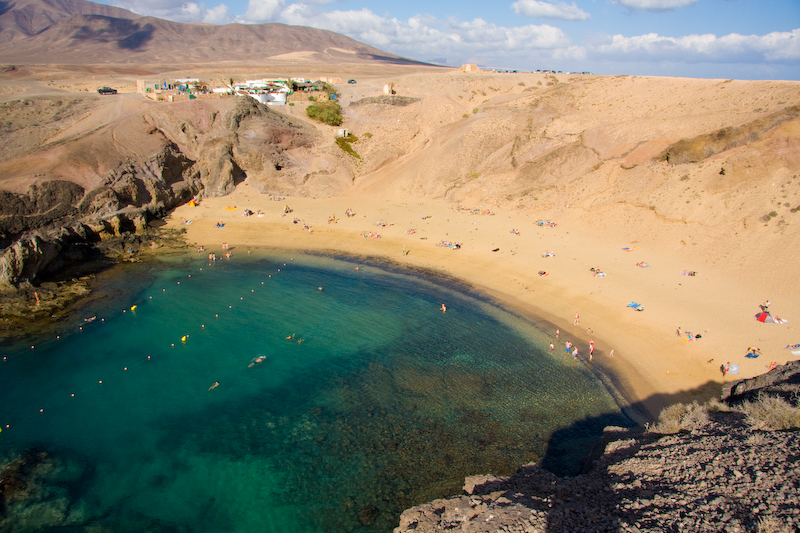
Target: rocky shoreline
<point>58,234</point>
<point>68,267</point>
<point>729,465</point>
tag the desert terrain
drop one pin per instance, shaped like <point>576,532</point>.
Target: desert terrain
<point>688,174</point>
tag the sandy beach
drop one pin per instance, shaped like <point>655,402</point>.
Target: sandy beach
<point>501,255</point>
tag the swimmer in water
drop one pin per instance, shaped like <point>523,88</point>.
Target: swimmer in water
<point>257,360</point>
<point>214,386</point>
<point>443,308</point>
<point>290,337</point>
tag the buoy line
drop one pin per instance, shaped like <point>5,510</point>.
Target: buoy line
<point>5,425</point>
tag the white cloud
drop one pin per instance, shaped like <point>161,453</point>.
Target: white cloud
<point>217,15</point>
<point>535,8</point>
<point>655,5</point>
<point>732,48</point>
<point>178,10</point>
<point>420,36</point>
<point>263,11</point>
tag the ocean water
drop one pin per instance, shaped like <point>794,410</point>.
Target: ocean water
<point>377,400</point>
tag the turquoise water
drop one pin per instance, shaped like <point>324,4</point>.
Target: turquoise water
<point>386,403</point>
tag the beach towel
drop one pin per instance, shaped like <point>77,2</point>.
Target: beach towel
<point>752,355</point>
<point>733,369</point>
<point>634,305</point>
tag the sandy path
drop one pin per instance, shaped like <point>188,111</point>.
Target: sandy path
<point>652,367</point>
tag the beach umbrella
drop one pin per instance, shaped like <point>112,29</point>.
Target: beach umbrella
<point>765,317</point>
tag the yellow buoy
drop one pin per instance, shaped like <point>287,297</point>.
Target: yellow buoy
<point>133,308</point>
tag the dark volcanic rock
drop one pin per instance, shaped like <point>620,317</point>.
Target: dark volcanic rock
<point>783,381</point>
<point>46,204</point>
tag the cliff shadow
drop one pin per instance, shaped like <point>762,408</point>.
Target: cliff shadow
<point>577,444</point>
<point>643,479</point>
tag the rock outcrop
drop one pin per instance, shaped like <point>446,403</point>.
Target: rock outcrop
<point>717,473</point>
<point>155,161</point>
<point>782,381</point>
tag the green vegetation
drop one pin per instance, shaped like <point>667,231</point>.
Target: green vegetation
<point>326,112</point>
<point>767,413</point>
<point>680,417</point>
<point>345,144</point>
<point>771,414</point>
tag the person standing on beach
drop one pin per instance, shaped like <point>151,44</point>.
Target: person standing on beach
<point>611,353</point>
<point>575,353</point>
<point>591,350</point>
<point>552,347</point>
<point>577,319</point>
<point>558,332</point>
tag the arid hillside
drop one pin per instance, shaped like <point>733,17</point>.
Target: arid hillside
<point>698,161</point>
<point>85,33</point>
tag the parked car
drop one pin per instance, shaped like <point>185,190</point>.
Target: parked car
<point>351,81</point>
<point>106,90</point>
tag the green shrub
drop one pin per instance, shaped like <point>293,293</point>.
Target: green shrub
<point>715,405</point>
<point>680,417</point>
<point>326,112</point>
<point>475,111</point>
<point>771,413</point>
<point>344,144</point>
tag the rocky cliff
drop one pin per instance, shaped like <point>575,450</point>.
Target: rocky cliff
<point>729,465</point>
<point>115,179</point>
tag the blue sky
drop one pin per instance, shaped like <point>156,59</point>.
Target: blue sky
<point>741,39</point>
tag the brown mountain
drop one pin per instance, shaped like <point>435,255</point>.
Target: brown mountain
<point>82,32</point>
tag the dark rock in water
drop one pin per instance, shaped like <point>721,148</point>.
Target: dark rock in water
<point>15,478</point>
<point>783,381</point>
<point>367,515</point>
